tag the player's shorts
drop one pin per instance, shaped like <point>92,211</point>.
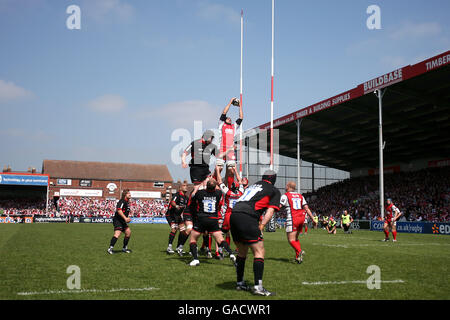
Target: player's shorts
<point>174,220</point>
<point>346,227</point>
<point>199,174</point>
<point>245,228</point>
<point>295,223</point>
<point>119,224</point>
<point>205,224</point>
<point>187,217</point>
<point>226,222</point>
<point>390,222</point>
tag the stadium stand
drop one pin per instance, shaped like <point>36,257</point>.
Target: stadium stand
<point>422,196</point>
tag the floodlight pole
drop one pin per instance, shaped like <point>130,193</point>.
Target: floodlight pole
<point>299,161</point>
<point>380,93</point>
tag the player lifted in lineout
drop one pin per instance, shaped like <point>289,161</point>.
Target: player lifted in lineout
<point>296,209</point>
<point>390,220</point>
<point>228,130</point>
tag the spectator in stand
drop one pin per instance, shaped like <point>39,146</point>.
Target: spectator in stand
<point>424,195</point>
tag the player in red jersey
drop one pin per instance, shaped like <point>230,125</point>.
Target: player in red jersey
<point>296,209</point>
<point>228,131</point>
<point>230,197</point>
<point>390,220</point>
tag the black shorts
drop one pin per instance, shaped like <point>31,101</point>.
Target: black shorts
<point>245,228</point>
<point>346,227</point>
<point>199,173</point>
<point>203,224</point>
<point>187,217</point>
<point>173,218</point>
<point>119,224</point>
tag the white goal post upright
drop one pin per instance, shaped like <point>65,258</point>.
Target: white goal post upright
<point>271,95</point>
<point>240,98</point>
<point>380,93</point>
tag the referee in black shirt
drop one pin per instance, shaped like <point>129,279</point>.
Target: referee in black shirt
<point>120,221</point>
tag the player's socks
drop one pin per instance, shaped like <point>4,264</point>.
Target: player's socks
<point>209,242</point>
<point>394,234</point>
<point>125,242</point>
<point>205,240</point>
<point>387,234</point>
<point>240,267</point>
<point>181,239</point>
<point>112,242</point>
<point>296,246</point>
<point>194,250</point>
<point>171,237</point>
<point>225,246</point>
<point>258,270</point>
<point>306,229</point>
<point>228,239</point>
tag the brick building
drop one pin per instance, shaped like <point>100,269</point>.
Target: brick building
<point>106,180</point>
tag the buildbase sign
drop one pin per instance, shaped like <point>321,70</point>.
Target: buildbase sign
<point>383,81</point>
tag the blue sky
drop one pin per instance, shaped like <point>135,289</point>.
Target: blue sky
<point>137,70</point>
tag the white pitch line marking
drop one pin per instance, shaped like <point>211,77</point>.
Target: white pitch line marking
<point>321,283</point>
<point>84,291</point>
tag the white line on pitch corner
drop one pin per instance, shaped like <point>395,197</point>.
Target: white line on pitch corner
<point>84,291</point>
<point>321,283</point>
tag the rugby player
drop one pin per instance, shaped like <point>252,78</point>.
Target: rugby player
<point>228,131</point>
<point>296,209</point>
<point>205,203</point>
<point>230,197</point>
<point>120,221</point>
<point>174,218</point>
<point>331,226</point>
<point>200,151</point>
<point>188,223</point>
<point>346,221</point>
<point>390,220</point>
<point>246,228</point>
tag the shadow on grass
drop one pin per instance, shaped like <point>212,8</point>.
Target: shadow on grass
<point>229,285</point>
<point>286,260</point>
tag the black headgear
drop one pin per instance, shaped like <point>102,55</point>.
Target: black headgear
<point>270,176</point>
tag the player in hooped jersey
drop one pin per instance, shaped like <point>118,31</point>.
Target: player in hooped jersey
<point>261,198</point>
<point>174,217</point>
<point>390,220</point>
<point>296,209</point>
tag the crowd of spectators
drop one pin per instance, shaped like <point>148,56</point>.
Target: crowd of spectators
<point>22,207</point>
<point>81,207</point>
<point>92,207</point>
<point>421,196</point>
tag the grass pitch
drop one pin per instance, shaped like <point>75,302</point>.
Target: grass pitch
<point>34,259</point>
